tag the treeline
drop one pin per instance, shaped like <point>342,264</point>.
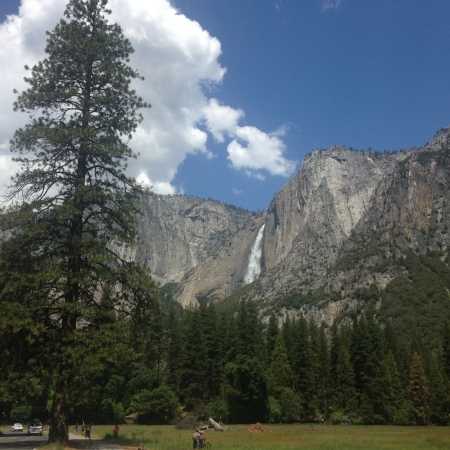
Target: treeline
<point>238,369</point>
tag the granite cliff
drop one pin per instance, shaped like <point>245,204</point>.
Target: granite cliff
<point>341,224</point>
<point>177,233</point>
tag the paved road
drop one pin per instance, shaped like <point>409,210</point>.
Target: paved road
<point>13,441</point>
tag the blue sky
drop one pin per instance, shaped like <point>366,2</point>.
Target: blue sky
<point>248,87</point>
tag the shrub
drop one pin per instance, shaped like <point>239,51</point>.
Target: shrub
<point>158,406</point>
<point>217,409</point>
<point>404,415</point>
<point>336,417</point>
<point>274,410</point>
<point>290,403</point>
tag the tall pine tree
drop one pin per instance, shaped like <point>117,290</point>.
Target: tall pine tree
<point>418,391</point>
<point>71,199</point>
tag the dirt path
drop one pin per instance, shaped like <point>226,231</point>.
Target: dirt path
<point>77,442</point>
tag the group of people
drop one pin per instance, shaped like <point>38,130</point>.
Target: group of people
<point>198,439</point>
<point>86,429</point>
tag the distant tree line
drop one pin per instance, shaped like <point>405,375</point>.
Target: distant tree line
<point>238,369</point>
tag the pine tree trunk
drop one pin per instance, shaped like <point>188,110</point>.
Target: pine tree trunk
<point>59,415</point>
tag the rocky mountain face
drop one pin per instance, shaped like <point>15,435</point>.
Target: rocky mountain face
<point>203,241</point>
<point>341,224</point>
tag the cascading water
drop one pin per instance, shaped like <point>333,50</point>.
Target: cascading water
<point>254,260</point>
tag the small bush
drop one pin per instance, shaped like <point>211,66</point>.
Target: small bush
<point>404,415</point>
<point>336,417</point>
<point>274,410</point>
<point>217,408</point>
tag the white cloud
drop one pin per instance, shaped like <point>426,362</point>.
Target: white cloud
<point>258,153</point>
<point>160,187</point>
<point>221,119</point>
<point>331,4</point>
<point>23,42</point>
<point>7,170</point>
<point>251,150</point>
<point>178,58</point>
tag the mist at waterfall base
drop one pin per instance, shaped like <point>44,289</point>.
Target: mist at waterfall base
<point>254,260</point>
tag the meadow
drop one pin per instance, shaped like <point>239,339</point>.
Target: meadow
<point>311,437</point>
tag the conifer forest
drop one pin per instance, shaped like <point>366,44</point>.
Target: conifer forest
<point>237,369</point>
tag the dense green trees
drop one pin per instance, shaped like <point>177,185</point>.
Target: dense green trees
<point>299,372</point>
<point>360,369</point>
<point>417,299</point>
<point>306,372</point>
<point>62,283</point>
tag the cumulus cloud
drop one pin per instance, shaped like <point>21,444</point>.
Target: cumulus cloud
<point>179,60</point>
<point>221,119</point>
<point>258,153</point>
<point>251,150</point>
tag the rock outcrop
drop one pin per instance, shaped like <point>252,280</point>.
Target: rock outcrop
<point>311,217</point>
<point>220,274</point>
<point>178,233</point>
<point>342,205</point>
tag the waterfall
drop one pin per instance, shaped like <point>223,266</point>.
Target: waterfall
<point>254,260</point>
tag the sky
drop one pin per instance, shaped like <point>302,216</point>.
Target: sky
<point>242,90</point>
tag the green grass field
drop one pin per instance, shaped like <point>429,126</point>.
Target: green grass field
<point>311,437</point>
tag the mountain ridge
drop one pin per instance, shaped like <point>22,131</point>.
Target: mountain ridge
<point>341,224</point>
